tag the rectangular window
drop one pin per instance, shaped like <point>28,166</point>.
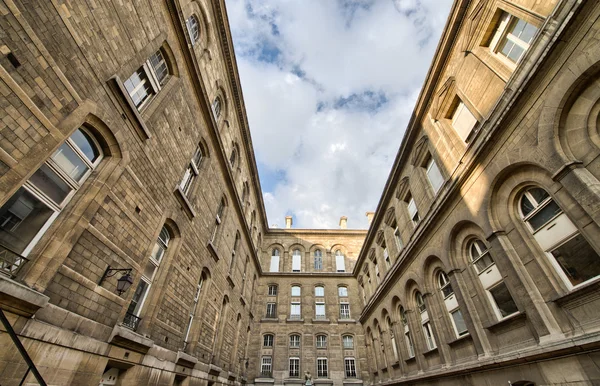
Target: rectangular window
<point>463,121</point>
<point>295,310</point>
<point>296,263</point>
<point>409,345</point>
<point>350,367</point>
<point>271,310</point>
<point>348,341</point>
<point>187,180</point>
<point>318,263</point>
<point>413,213</point>
<point>386,257</point>
<point>429,336</point>
<point>505,305</point>
<point>266,366</point>
<point>294,341</point>
<point>398,239</point>
<point>344,311</point>
<point>512,37</point>
<point>340,264</point>
<point>322,370</point>
<point>320,310</point>
<point>343,292</point>
<point>459,323</point>
<point>268,340</point>
<point>159,67</point>
<point>321,341</point>
<point>294,367</point>
<point>139,88</point>
<point>272,290</point>
<point>274,264</point>
<point>377,276</point>
<point>434,175</point>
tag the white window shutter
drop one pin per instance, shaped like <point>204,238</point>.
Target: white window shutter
<point>274,263</point>
<point>340,264</point>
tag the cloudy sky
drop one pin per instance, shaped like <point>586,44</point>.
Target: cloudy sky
<point>329,86</point>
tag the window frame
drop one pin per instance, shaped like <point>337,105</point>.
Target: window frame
<point>353,369</point>
<point>293,342</point>
<point>294,367</point>
<point>268,342</point>
<point>323,343</point>
<point>322,367</point>
<point>506,22</point>
<point>263,363</point>
<point>148,73</point>
<point>351,341</point>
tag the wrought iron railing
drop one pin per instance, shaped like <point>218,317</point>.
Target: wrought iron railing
<point>131,321</point>
<point>10,261</point>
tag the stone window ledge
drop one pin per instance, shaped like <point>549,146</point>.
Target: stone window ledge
<point>396,364</point>
<point>213,250</point>
<point>20,299</point>
<point>123,337</point>
<point>411,359</point>
<point>185,359</point>
<point>430,352</point>
<point>346,321</point>
<point>321,320</point>
<point>508,320</point>
<point>323,381</point>
<point>575,293</point>
<point>185,203</point>
<point>269,320</point>
<point>460,339</point>
<point>293,381</point>
<point>288,320</point>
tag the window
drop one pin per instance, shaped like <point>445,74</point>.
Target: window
<point>32,208</point>
<point>193,311</point>
<point>348,341</point>
<point>266,366</point>
<point>390,329</point>
<point>272,290</point>
<point>268,340</point>
<point>340,264</point>
<point>296,291</point>
<point>233,157</point>
<point>480,256</point>
<point>429,336</point>
<point>218,219</point>
<point>420,302</point>
<point>275,260</point>
<point>320,309</point>
<point>434,175</point>
<point>318,260</point>
<point>386,256</point>
<point>294,367</point>
<point>512,37</point>
<point>377,276</point>
<point>193,28</point>
<point>344,311</point>
<point>407,338</point>
<point>271,310</point>
<point>459,323</point>
<point>322,370</point>
<point>137,302</point>
<point>294,341</point>
<point>236,244</point>
<point>398,239</point>
<point>505,304</point>
<point>319,291</point>
<point>147,80</point>
<point>444,284</point>
<point>296,260</point>
<point>463,121</point>
<point>413,213</point>
<point>427,330</point>
<point>343,292</point>
<point>216,108</point>
<point>295,312</point>
<point>350,367</point>
<point>321,341</point>
<point>567,250</point>
<point>191,172</point>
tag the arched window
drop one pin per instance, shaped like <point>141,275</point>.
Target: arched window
<point>193,309</point>
<point>340,264</point>
<point>318,260</point>
<point>491,279</point>
<point>568,251</point>
<point>26,215</point>
<point>444,284</point>
<point>294,341</point>
<point>321,341</point>
<point>193,27</point>
<point>216,108</point>
<point>268,340</point>
<point>348,342</point>
<point>319,291</point>
<point>451,304</point>
<point>427,329</point>
<point>296,261</point>
<point>275,260</point>
<point>407,338</point>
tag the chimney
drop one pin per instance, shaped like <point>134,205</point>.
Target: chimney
<point>370,216</point>
<point>343,222</point>
<point>288,222</point>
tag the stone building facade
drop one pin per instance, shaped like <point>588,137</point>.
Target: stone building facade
<point>126,158</point>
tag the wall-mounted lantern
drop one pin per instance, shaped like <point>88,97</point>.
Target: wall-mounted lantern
<point>123,283</point>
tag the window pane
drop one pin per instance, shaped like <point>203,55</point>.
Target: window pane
<point>138,297</point>
<point>157,252</point>
<point>320,310</point>
<point>54,187</point>
<point>459,322</point>
<point>463,121</point>
<point>578,260</point>
<point>296,291</point>
<point>70,162</point>
<point>21,218</point>
<point>484,262</point>
<point>343,292</point>
<point>86,145</point>
<point>504,302</point>
<point>348,341</point>
<point>538,194</point>
<point>435,176</point>
<point>159,65</point>
<point>319,291</point>
<point>138,87</point>
<point>544,215</point>
<point>526,206</point>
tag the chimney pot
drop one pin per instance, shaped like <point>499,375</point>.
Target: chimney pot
<point>370,216</point>
<point>343,222</point>
<point>288,222</point>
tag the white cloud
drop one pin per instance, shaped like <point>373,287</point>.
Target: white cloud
<point>329,87</point>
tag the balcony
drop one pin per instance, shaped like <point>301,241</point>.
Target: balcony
<point>131,321</point>
<point>11,262</point>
